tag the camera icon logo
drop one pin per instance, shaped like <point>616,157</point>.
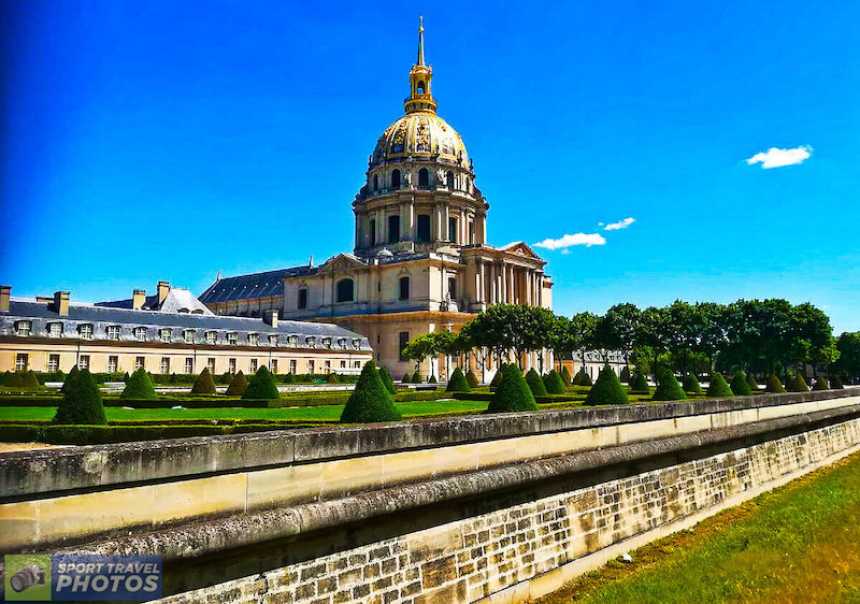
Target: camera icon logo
<point>27,578</point>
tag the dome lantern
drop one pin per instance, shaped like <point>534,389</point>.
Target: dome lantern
<point>420,97</point>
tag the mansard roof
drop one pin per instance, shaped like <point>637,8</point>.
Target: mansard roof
<point>178,300</point>
<point>255,285</point>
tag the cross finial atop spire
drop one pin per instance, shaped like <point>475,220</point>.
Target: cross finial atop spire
<point>420,40</point>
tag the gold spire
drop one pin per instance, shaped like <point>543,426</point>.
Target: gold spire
<point>420,40</point>
<point>420,98</point>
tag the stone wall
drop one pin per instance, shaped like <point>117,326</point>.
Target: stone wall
<point>510,553</point>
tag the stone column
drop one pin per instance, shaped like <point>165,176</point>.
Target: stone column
<point>481,277</point>
<point>503,287</point>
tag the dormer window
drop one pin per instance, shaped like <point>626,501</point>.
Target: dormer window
<point>293,340</point>
<point>22,328</point>
<point>211,337</point>
<point>140,334</point>
<point>232,339</point>
<point>311,341</point>
<point>273,340</point>
<point>253,339</point>
<point>112,332</point>
<point>86,331</point>
<point>356,343</point>
<point>188,336</point>
<point>165,335</point>
<point>341,342</point>
<point>326,342</point>
<point>55,330</point>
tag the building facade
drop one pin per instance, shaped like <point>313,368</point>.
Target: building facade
<point>170,332</point>
<point>421,260</point>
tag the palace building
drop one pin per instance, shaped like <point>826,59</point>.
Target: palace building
<point>421,260</point>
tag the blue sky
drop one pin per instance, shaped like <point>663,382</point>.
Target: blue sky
<point>166,140</point>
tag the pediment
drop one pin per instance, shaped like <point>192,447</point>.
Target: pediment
<point>521,249</point>
<point>341,263</point>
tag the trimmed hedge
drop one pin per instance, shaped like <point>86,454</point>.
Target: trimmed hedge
<point>497,377</point>
<point>139,386</point>
<point>472,379</point>
<point>535,383</point>
<point>82,402</point>
<point>821,383</point>
<point>458,382</point>
<point>836,383</point>
<point>386,380</point>
<point>204,384</point>
<point>370,401</point>
<point>553,382</point>
<point>740,385</point>
<point>416,378</point>
<point>262,386</point>
<point>774,386</point>
<point>754,385</point>
<point>796,383</point>
<point>668,388</point>
<point>625,375</point>
<point>582,378</point>
<point>74,434</point>
<point>692,385</point>
<point>607,390</point>
<point>238,385</point>
<point>512,393</point>
<point>565,376</point>
<point>719,387</point>
<point>639,384</point>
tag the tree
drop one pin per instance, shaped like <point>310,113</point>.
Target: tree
<point>512,393</point>
<point>691,384</point>
<point>370,401</point>
<point>718,386</point>
<point>204,384</point>
<point>848,345</point>
<point>607,390</point>
<point>740,385</point>
<point>420,348</point>
<point>458,382</point>
<point>652,333</point>
<point>82,402</point>
<point>553,382</point>
<point>386,380</point>
<point>535,383</point>
<point>583,328</point>
<point>774,386</point>
<point>238,385</point>
<point>139,387</point>
<point>261,386</point>
<point>621,324</point>
<point>668,388</point>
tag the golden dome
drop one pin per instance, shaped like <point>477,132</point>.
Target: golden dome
<point>421,135</point>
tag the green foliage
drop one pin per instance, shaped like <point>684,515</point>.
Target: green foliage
<point>836,382</point>
<point>370,401</point>
<point>668,388</point>
<point>262,386</point>
<point>638,383</point>
<point>796,383</point>
<point>73,374</point>
<point>288,378</point>
<point>21,379</point>
<point>553,382</point>
<point>566,377</point>
<point>473,380</point>
<point>821,383</point>
<point>431,379</point>
<point>497,378</point>
<point>607,390</point>
<point>30,380</point>
<point>740,385</point>
<point>718,386</point>
<point>535,383</point>
<point>416,378</point>
<point>407,378</point>
<point>754,385</point>
<point>82,402</point>
<point>512,393</point>
<point>238,384</point>
<point>691,384</point>
<point>625,375</point>
<point>582,378</point>
<point>204,384</point>
<point>386,380</point>
<point>331,378</point>
<point>458,382</point>
<point>774,386</point>
<point>139,386</point>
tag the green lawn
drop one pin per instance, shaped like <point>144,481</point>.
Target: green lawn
<point>800,543</point>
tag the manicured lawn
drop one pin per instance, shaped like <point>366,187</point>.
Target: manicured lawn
<point>800,543</point>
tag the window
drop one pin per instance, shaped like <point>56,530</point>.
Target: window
<point>404,288</point>
<point>356,343</point>
<point>341,342</point>
<point>395,179</point>
<point>356,364</point>
<point>423,179</point>
<point>292,366</point>
<point>21,361</point>
<point>292,340</point>
<point>189,364</point>
<point>232,339</point>
<point>328,366</point>
<point>393,229</point>
<point>231,365</point>
<point>345,291</point>
<point>164,335</point>
<point>253,365</point>
<point>86,331</point>
<point>452,287</point>
<point>449,179</point>
<point>84,362</point>
<point>471,232</point>
<point>274,366</point>
<point>273,340</point>
<point>403,340</point>
<point>343,364</point>
<point>113,364</point>
<point>452,230</point>
<point>55,330</point>
<point>375,182</point>
<point>210,365</point>
<point>253,339</point>
<point>303,297</point>
<point>211,337</point>
<point>311,366</point>
<point>420,88</point>
<point>139,363</point>
<point>423,228</point>
<point>22,328</point>
<point>140,334</point>
<point>165,365</point>
<point>188,334</point>
<point>311,341</point>
<point>372,232</point>
<point>326,342</point>
<point>53,363</point>
<point>112,332</point>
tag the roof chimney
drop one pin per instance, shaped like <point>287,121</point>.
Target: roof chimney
<point>163,290</point>
<point>138,297</point>
<point>270,317</point>
<point>61,303</point>
<point>5,294</point>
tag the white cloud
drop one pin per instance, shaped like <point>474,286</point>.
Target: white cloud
<point>565,241</point>
<point>777,158</point>
<point>621,224</point>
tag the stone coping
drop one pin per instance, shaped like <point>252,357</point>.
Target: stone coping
<point>57,470</point>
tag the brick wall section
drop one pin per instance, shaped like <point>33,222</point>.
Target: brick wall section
<point>466,560</point>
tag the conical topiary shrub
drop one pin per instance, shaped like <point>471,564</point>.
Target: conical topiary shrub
<point>238,385</point>
<point>458,382</point>
<point>512,393</point>
<point>139,387</point>
<point>370,401</point>
<point>497,377</point>
<point>73,374</point>
<point>553,382</point>
<point>774,386</point>
<point>668,388</point>
<point>821,383</point>
<point>607,390</point>
<point>261,386</point>
<point>754,386</point>
<point>30,380</point>
<point>638,383</point>
<point>204,384</point>
<point>406,379</point>
<point>582,378</point>
<point>718,386</point>
<point>625,375</point>
<point>566,377</point>
<point>836,383</point>
<point>796,383</point>
<point>431,379</point>
<point>416,378</point>
<point>692,385</point>
<point>472,379</point>
<point>535,382</point>
<point>386,380</point>
<point>740,386</point>
<point>82,402</point>
<point>331,378</point>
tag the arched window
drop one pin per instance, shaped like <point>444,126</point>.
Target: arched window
<point>372,232</point>
<point>404,288</point>
<point>423,178</point>
<point>420,88</point>
<point>449,179</point>
<point>395,179</point>
<point>345,290</point>
<point>375,182</point>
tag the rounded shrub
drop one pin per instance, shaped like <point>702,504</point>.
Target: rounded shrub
<point>138,387</point>
<point>553,382</point>
<point>668,388</point>
<point>262,386</point>
<point>836,383</point>
<point>473,380</point>
<point>82,402</point>
<point>607,390</point>
<point>692,385</point>
<point>774,386</point>
<point>625,375</point>
<point>238,384</point>
<point>638,383</point>
<point>416,378</point>
<point>754,385</point>
<point>796,383</point>
<point>458,382</point>
<point>204,384</point>
<point>370,401</point>
<point>386,380</point>
<point>821,383</point>
<point>740,385</point>
<point>535,382</point>
<point>719,387</point>
<point>512,393</point>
